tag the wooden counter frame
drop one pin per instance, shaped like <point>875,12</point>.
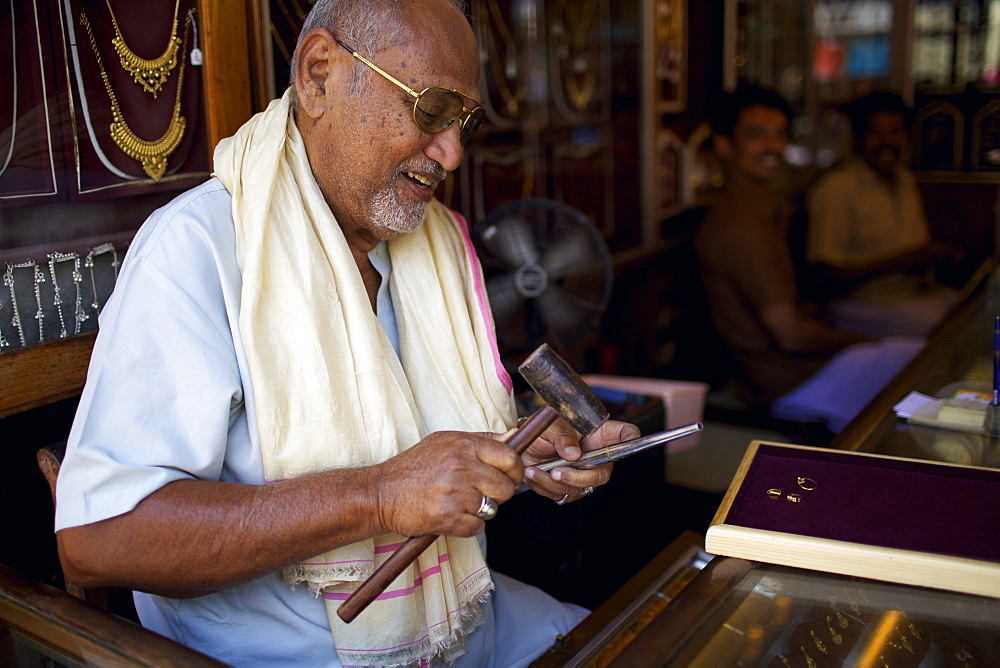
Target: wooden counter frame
<point>40,618</point>
<point>615,613</point>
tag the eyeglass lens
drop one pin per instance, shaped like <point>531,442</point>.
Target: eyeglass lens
<point>439,108</point>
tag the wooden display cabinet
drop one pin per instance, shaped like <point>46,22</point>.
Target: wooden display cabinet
<point>70,197</point>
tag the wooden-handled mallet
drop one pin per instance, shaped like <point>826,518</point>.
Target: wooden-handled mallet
<point>565,395</point>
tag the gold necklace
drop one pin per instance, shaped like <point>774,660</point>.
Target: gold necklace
<point>512,99</point>
<point>580,93</point>
<point>150,74</point>
<point>151,154</point>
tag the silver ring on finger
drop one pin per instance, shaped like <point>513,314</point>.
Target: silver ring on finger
<point>586,491</point>
<point>487,508</point>
<point>563,500</point>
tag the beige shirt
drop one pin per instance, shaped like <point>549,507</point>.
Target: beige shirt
<point>856,218</point>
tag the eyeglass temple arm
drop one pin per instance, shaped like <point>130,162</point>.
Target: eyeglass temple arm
<point>380,70</point>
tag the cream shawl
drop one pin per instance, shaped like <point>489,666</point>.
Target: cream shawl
<point>331,392</point>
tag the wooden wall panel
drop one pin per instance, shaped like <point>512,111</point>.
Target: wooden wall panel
<point>227,71</point>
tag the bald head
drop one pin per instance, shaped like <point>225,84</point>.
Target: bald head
<point>367,25</point>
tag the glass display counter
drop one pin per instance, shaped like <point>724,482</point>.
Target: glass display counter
<point>688,608</point>
<point>960,353</point>
<point>741,613</point>
<point>600,638</point>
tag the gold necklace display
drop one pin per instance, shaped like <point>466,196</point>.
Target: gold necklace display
<point>150,74</point>
<point>152,155</point>
<point>575,39</point>
<point>508,70</point>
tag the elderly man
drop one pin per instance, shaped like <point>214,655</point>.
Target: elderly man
<point>868,237</point>
<point>298,370</point>
<point>797,366</point>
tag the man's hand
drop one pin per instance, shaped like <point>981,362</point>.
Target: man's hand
<point>561,441</point>
<point>436,486</point>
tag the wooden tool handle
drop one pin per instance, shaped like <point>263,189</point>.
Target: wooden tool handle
<point>390,569</point>
<point>532,428</point>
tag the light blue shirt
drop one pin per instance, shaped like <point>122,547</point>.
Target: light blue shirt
<point>168,397</point>
<point>382,261</point>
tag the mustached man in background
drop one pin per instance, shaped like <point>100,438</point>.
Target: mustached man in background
<point>868,237</point>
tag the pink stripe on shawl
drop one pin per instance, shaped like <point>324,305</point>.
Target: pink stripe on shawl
<point>421,639</point>
<point>396,593</point>
<point>477,274</point>
<point>391,547</point>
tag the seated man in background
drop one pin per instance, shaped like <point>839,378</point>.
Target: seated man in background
<point>798,366</point>
<point>297,370</point>
<point>868,237</point>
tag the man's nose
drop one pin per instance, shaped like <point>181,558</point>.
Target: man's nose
<point>446,148</point>
<point>777,143</point>
<point>891,138</point>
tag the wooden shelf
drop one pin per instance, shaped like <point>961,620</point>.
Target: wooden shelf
<point>957,177</point>
<point>37,375</point>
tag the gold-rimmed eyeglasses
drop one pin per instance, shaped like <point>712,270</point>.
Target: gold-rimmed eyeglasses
<point>435,109</point>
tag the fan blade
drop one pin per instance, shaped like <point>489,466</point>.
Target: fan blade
<point>590,278</point>
<point>571,246</point>
<point>505,300</point>
<point>512,241</point>
<point>567,316</point>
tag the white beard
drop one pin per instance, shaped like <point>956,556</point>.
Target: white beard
<point>387,213</point>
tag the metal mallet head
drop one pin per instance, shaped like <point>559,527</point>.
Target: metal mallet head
<point>561,387</point>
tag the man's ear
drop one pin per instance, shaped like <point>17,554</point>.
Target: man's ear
<point>317,65</point>
<point>723,146</point>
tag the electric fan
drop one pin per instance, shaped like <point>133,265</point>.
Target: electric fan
<point>548,273</point>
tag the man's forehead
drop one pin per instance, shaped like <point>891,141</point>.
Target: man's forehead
<point>441,45</point>
<point>885,118</point>
<point>760,114</point>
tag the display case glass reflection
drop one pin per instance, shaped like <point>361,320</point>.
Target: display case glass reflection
<point>959,354</point>
<point>105,100</point>
<point>693,609</point>
<point>780,616</point>
<point>604,649</point>
<point>817,55</point>
<point>609,631</point>
<point>27,145</point>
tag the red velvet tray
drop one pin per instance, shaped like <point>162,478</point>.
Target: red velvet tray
<point>902,520</point>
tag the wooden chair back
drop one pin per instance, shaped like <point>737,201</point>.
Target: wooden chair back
<point>49,460</point>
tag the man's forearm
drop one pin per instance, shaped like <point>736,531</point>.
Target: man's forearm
<point>797,334</point>
<point>915,259</point>
<point>194,537</point>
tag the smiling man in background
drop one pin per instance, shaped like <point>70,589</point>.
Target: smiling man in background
<point>795,365</point>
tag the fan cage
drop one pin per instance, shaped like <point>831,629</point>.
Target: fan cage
<point>548,273</point>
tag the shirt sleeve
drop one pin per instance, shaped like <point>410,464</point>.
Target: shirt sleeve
<point>163,389</point>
